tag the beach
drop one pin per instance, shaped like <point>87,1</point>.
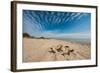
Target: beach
<point>39,50</point>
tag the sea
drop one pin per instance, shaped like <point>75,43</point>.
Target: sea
<point>81,41</point>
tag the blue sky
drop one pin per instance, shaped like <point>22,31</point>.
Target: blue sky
<point>57,24</point>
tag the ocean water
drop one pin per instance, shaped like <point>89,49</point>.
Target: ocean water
<point>82,41</point>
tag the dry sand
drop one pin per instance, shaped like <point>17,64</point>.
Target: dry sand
<point>37,50</point>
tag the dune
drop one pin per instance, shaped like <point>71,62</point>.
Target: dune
<point>37,50</point>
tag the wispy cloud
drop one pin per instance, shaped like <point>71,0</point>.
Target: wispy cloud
<point>51,23</point>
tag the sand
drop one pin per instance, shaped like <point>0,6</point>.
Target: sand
<point>39,50</point>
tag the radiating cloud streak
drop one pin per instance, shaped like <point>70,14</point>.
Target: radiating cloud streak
<point>37,22</point>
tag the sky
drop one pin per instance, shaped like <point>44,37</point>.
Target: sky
<point>57,24</point>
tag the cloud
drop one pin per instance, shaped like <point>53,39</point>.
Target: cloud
<point>30,23</point>
<point>40,21</point>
